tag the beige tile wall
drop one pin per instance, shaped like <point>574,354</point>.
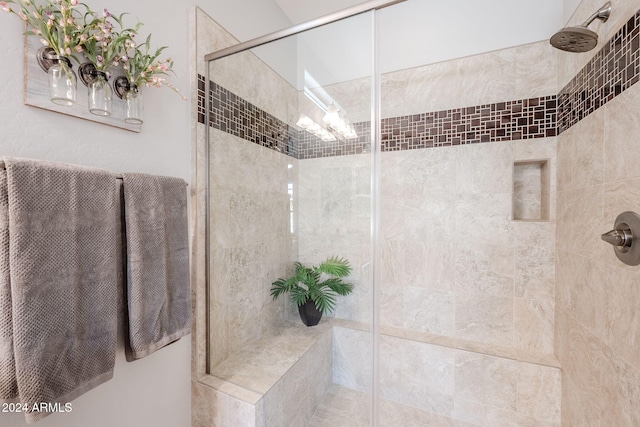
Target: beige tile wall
<point>518,73</point>
<point>334,211</point>
<point>251,241</point>
<point>454,262</point>
<point>597,319</point>
<point>450,384</point>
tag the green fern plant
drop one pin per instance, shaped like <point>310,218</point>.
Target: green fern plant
<point>321,284</point>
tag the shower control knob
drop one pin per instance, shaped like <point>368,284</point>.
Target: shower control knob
<point>624,238</point>
<point>618,238</point>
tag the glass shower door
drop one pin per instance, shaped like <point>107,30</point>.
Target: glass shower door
<point>290,165</point>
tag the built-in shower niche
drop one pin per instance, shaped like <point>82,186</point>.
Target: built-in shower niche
<point>531,190</point>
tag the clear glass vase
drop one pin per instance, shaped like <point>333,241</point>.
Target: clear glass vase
<point>134,108</point>
<point>62,81</point>
<point>100,95</point>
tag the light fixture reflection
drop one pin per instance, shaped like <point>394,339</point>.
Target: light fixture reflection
<point>335,120</point>
<point>312,127</point>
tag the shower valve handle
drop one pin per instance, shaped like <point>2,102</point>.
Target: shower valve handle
<point>624,238</point>
<point>618,237</point>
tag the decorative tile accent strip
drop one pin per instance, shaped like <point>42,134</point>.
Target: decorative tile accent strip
<point>502,121</point>
<point>234,115</point>
<point>610,72</point>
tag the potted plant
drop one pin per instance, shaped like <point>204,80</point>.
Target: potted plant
<point>314,289</point>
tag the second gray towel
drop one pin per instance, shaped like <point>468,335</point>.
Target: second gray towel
<point>158,291</point>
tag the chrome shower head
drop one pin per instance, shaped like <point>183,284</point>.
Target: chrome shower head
<point>580,38</point>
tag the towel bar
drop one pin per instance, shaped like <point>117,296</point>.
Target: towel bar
<point>118,176</point>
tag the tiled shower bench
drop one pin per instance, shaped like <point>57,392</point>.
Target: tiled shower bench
<point>278,380</point>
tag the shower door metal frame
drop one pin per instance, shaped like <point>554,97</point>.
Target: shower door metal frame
<point>302,27</point>
<point>371,5</point>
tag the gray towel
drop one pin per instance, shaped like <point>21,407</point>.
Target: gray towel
<point>158,290</point>
<point>63,243</point>
<point>8,384</point>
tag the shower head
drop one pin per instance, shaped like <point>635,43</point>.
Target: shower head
<point>580,38</point>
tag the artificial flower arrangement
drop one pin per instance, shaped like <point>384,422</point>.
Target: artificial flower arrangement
<point>55,22</point>
<point>69,28</point>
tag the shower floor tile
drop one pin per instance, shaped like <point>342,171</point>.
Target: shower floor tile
<point>345,407</point>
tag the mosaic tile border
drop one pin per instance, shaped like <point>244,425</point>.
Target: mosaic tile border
<point>502,121</point>
<point>236,116</point>
<point>612,70</point>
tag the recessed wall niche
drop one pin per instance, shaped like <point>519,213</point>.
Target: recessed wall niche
<point>531,190</point>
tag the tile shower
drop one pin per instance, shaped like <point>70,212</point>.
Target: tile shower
<point>484,318</point>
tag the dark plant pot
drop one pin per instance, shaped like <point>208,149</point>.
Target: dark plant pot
<point>309,314</point>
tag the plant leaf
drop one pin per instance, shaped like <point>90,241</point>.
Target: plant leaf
<point>324,298</point>
<point>299,295</point>
<point>338,286</point>
<point>335,266</point>
<point>281,286</point>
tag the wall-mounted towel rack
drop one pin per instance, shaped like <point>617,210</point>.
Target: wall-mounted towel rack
<point>2,167</point>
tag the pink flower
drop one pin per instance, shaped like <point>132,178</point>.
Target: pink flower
<point>44,42</point>
<point>106,13</point>
<point>50,23</point>
<point>78,48</point>
<point>67,39</point>
<point>68,51</point>
<point>4,7</point>
<point>74,2</point>
<point>22,16</point>
<point>83,38</point>
<point>125,58</point>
